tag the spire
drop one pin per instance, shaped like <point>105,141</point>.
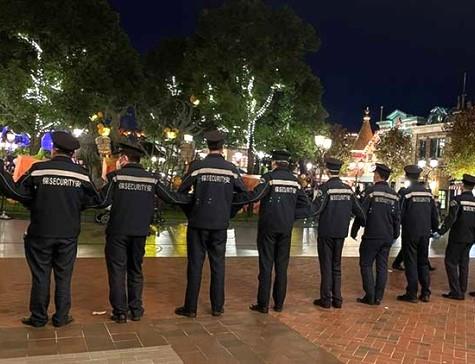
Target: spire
<point>366,133</point>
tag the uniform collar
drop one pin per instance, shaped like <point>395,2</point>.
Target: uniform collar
<point>214,155</point>
<point>62,158</point>
<point>334,179</point>
<point>133,165</point>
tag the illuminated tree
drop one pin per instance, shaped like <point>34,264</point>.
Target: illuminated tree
<point>395,150</point>
<point>460,152</point>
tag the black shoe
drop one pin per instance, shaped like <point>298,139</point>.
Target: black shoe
<point>365,300</point>
<point>278,308</point>
<point>119,318</point>
<point>424,298</point>
<point>321,303</point>
<point>336,304</point>
<point>377,301</point>
<point>217,313</point>
<point>472,294</point>
<point>28,321</point>
<point>182,311</point>
<point>406,298</point>
<point>431,268</point>
<point>258,308</point>
<point>452,296</point>
<point>136,317</point>
<point>65,322</point>
<point>398,267</point>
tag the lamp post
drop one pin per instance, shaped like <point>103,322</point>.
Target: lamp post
<point>323,144</point>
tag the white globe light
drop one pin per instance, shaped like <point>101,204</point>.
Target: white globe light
<point>188,138</point>
<point>434,163</point>
<point>78,132</point>
<point>238,156</point>
<point>10,137</point>
<point>422,163</point>
<point>154,159</point>
<point>309,166</point>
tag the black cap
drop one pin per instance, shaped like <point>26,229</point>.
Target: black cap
<point>468,180</point>
<point>280,155</point>
<point>333,164</point>
<point>382,169</point>
<point>131,148</point>
<point>214,138</point>
<point>412,171</point>
<point>64,141</point>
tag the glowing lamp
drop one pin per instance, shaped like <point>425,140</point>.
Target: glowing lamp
<point>188,138</point>
<point>322,142</point>
<point>309,166</point>
<point>194,100</point>
<point>78,132</point>
<point>434,163</point>
<point>171,134</point>
<point>154,159</point>
<point>105,131</point>
<point>433,185</point>
<point>422,163</point>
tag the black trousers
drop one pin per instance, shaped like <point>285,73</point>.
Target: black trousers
<point>329,256</point>
<point>124,258</point>
<point>416,263</point>
<point>371,251</point>
<point>200,242</point>
<point>274,249</point>
<point>43,256</point>
<point>457,259</point>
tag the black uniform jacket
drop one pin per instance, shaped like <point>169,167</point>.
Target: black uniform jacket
<point>419,214</point>
<point>335,203</point>
<point>282,201</point>
<point>131,190</point>
<point>461,219</point>
<point>56,191</point>
<point>381,206</point>
<point>214,182</point>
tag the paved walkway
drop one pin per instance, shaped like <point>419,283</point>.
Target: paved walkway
<point>441,331</point>
<point>171,242</point>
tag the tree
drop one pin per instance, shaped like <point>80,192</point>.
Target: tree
<point>395,150</point>
<point>70,65</point>
<point>341,143</point>
<point>242,57</point>
<point>460,152</point>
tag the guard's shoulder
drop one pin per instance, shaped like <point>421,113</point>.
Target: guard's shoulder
<point>267,176</point>
<point>346,186</point>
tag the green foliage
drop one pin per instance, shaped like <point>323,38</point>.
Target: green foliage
<point>460,152</point>
<point>243,53</point>
<point>86,64</point>
<point>395,150</point>
<point>341,143</point>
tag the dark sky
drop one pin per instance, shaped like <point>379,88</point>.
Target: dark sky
<point>405,54</point>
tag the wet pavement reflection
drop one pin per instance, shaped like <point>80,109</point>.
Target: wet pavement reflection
<point>171,241</point>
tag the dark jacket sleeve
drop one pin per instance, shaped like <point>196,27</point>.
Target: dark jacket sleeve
<point>451,217</point>
<point>243,197</point>
<point>10,189</point>
<point>396,220</point>
<point>357,223</point>
<point>177,198</point>
<point>304,207</point>
<point>92,198</point>
<point>434,216</point>
<point>358,211</point>
<point>187,183</point>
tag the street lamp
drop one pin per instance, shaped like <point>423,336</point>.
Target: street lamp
<point>323,144</point>
<point>434,163</point>
<point>422,163</point>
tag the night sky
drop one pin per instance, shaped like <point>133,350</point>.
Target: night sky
<point>405,54</point>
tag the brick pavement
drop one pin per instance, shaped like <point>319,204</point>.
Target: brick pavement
<point>437,332</point>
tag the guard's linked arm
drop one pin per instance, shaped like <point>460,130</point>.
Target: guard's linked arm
<point>434,216</point>
<point>92,198</point>
<point>169,196</point>
<point>357,223</point>
<point>20,191</point>
<point>451,217</point>
<point>396,220</point>
<point>243,197</point>
<point>304,207</point>
<point>357,210</point>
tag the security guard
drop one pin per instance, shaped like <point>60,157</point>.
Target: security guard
<point>381,206</point>
<point>131,191</point>
<point>335,204</point>
<point>58,190</point>
<point>461,222</point>
<point>214,182</point>
<point>419,218</point>
<point>282,199</point>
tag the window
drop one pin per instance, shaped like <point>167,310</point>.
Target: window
<point>437,147</point>
<point>422,149</point>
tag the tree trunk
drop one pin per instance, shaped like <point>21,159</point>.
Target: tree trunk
<point>250,155</point>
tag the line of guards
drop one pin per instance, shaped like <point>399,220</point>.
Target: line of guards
<point>212,192</point>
